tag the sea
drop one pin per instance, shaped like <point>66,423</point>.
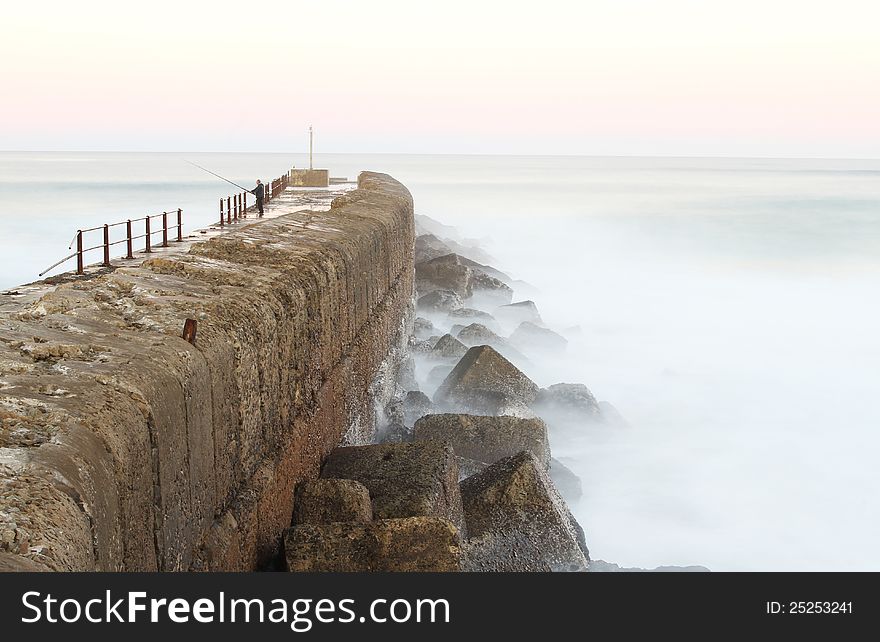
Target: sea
<point>727,307</point>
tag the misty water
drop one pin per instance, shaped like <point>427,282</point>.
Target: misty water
<point>727,308</point>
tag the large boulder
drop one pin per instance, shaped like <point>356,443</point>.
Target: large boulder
<point>611,415</point>
<point>466,316</point>
<point>404,480</point>
<point>448,347</point>
<point>422,328</point>
<point>487,290</point>
<point>515,313</point>
<point>517,520</point>
<point>429,246</point>
<point>411,544</point>
<point>323,501</point>
<point>438,301</point>
<point>488,270</point>
<point>566,481</point>
<point>531,337</point>
<point>476,334</point>
<point>484,382</point>
<point>486,438</point>
<point>444,273</point>
<point>416,404</point>
<point>567,402</point>
<point>437,375</point>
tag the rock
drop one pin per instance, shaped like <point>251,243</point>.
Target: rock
<point>404,480</point>
<point>436,375</point>
<point>611,415</point>
<point>488,290</point>
<point>516,313</point>
<point>455,329</point>
<point>429,246</point>
<point>422,328</point>
<point>439,301</point>
<point>568,402</point>
<point>518,522</point>
<point>566,481</point>
<point>12,563</point>
<point>524,288</point>
<point>394,433</point>
<point>529,336</point>
<point>488,270</point>
<point>600,566</point>
<point>444,273</point>
<point>470,249</point>
<point>477,334</point>
<point>412,544</point>
<point>428,225</point>
<point>486,438</point>
<point>416,404</point>
<point>483,381</point>
<point>420,347</point>
<point>468,467</point>
<point>448,347</point>
<point>470,315</point>
<point>324,501</point>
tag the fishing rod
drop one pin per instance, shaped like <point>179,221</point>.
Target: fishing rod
<point>218,176</point>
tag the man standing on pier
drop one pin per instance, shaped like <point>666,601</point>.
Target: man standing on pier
<point>258,192</point>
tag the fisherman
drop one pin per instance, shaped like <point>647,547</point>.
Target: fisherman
<point>258,191</point>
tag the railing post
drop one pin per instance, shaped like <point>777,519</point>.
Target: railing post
<point>179,225</point>
<point>106,245</point>
<point>244,196</point>
<point>79,252</point>
<point>235,207</point>
<point>128,239</point>
<point>147,249</point>
<point>164,229</point>
<point>229,210</point>
<point>221,212</point>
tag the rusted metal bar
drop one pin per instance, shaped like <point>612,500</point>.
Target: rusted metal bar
<point>222,222</point>
<point>179,225</point>
<point>189,330</point>
<point>244,196</point>
<point>79,252</point>
<point>229,210</point>
<point>106,246</point>
<point>164,229</point>
<point>128,247</point>
<point>147,249</point>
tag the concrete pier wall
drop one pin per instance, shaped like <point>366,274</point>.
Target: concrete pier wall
<point>125,447</point>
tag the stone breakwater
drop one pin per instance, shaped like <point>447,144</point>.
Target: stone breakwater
<point>125,447</point>
<point>461,476</point>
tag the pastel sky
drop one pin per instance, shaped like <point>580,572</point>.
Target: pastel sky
<point>664,77</point>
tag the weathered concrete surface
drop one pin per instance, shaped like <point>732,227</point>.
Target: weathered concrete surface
<point>324,501</point>
<point>124,447</point>
<point>486,439</point>
<point>404,479</point>
<point>518,522</point>
<point>410,544</point>
<point>485,383</point>
<point>310,177</point>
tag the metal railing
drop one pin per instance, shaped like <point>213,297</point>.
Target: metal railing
<point>235,207</point>
<point>129,239</point>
